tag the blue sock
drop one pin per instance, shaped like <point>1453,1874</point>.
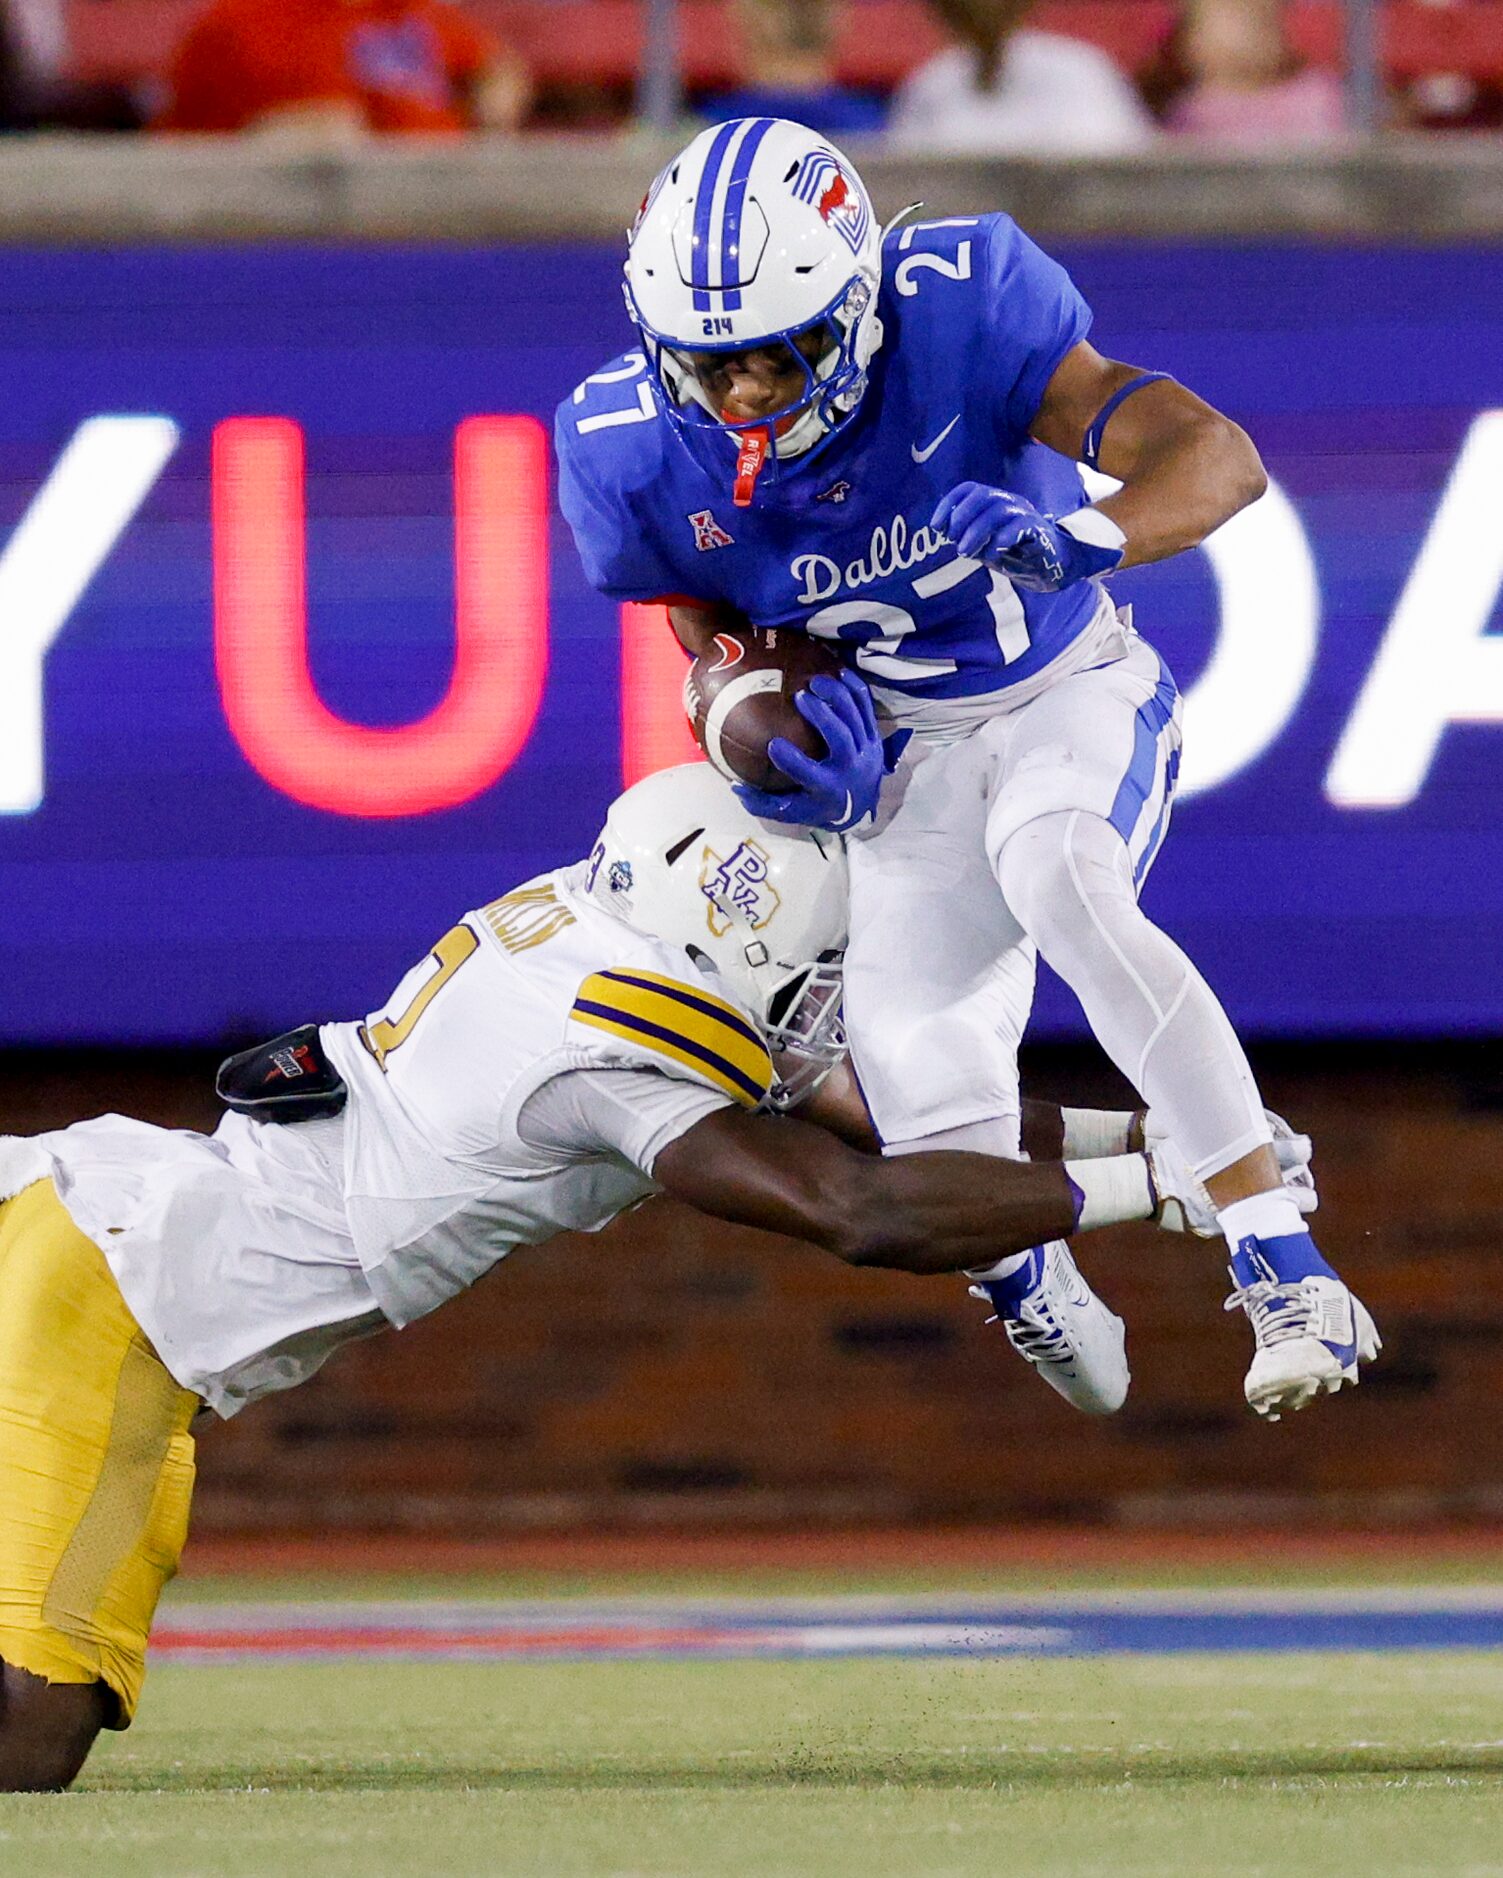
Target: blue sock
<point>1278,1261</point>
<point>1007,1293</point>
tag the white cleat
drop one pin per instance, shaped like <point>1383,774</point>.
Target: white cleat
<point>1312,1334</point>
<point>1055,1321</point>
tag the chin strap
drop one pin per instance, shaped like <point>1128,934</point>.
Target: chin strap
<point>898,220</point>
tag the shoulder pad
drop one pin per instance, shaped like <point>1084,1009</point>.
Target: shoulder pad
<point>923,263</point>
<point>679,1028</point>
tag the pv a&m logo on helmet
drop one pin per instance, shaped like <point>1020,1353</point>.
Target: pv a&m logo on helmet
<point>837,196</point>
<point>738,887</point>
<point>708,533</point>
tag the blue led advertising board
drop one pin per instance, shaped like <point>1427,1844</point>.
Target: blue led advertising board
<point>296,659</point>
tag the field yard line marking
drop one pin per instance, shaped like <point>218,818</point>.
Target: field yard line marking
<point>494,1630</point>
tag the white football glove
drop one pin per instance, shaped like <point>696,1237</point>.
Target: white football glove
<point>1184,1203</point>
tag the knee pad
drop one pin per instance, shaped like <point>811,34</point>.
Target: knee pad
<point>1055,869</point>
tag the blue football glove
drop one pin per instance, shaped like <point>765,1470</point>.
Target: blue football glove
<point>1040,552</point>
<point>838,790</point>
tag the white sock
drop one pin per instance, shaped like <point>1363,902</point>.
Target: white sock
<point>1271,1215</point>
<point>1091,1134</point>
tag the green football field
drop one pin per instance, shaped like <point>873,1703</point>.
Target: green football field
<point>1379,1764</point>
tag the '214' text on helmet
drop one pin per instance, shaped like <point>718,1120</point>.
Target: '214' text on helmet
<point>761,908</point>
<point>758,234</point>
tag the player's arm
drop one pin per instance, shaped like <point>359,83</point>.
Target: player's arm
<point>696,622</point>
<point>696,1137</point>
<point>941,1212</point>
<point>1184,467</point>
<point>1050,1133</point>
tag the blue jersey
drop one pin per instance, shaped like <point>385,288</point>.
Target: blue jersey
<point>976,319</point>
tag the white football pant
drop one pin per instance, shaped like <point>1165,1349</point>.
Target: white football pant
<point>1032,834</point>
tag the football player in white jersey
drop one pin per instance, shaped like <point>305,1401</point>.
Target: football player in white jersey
<point>872,436</point>
<point>639,1022</point>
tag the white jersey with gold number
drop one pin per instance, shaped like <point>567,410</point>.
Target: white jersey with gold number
<point>520,1083</point>
<point>438,1173</point>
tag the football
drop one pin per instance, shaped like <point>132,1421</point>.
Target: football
<point>739,696</point>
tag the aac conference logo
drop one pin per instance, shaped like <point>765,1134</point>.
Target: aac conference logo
<point>1436,664</point>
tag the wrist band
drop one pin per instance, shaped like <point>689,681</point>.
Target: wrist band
<point>1091,1134</point>
<point>1108,1192</point>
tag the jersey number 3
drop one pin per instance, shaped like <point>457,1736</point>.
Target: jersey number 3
<point>457,945</point>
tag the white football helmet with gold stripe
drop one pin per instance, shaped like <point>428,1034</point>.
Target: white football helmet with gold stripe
<point>762,909</point>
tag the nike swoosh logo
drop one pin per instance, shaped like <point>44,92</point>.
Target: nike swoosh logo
<point>923,456</point>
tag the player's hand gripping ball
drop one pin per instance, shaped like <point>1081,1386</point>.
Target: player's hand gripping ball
<point>1040,552</point>
<point>797,733</point>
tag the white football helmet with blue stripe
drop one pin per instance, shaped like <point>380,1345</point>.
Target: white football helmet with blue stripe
<point>758,233</point>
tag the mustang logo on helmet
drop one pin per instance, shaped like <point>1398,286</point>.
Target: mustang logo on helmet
<point>841,202</point>
<point>836,193</point>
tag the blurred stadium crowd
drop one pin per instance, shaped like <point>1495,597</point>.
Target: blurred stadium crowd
<point>982,77</point>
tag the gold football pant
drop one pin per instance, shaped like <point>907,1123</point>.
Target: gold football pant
<point>96,1462</point>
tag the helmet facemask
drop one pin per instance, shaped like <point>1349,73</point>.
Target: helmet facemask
<point>800,1011</point>
<point>832,374</point>
<point>806,1029</point>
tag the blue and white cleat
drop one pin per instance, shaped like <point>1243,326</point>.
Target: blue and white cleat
<point>1055,1321</point>
<point>1311,1332</point>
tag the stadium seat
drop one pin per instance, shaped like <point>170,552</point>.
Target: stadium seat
<point>882,39</point>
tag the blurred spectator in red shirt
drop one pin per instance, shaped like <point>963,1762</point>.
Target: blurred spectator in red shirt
<point>342,67</point>
<point>789,49</point>
<point>1455,100</point>
<point>1229,73</point>
<point>1003,90</point>
<point>37,91</point>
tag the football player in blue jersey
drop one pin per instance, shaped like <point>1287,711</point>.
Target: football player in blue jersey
<point>874,437</point>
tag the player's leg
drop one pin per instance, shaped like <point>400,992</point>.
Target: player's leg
<point>939,983</point>
<point>47,1729</point>
<point>1083,789</point>
<point>938,974</point>
<point>96,1477</point>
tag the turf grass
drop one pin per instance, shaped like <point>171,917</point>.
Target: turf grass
<point>1378,1765</point>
